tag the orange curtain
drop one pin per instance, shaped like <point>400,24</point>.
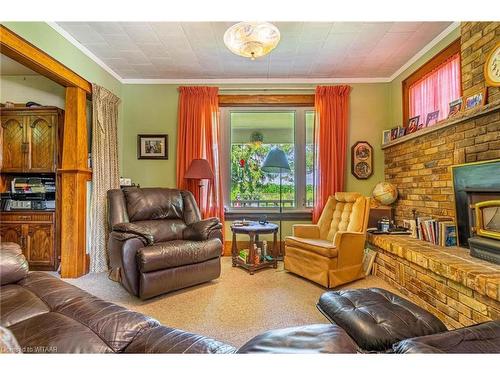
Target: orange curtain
<point>330,136</point>
<point>198,138</point>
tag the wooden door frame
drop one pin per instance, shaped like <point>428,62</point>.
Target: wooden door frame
<point>73,173</point>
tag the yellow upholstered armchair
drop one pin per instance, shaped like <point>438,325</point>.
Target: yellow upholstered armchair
<point>331,252</point>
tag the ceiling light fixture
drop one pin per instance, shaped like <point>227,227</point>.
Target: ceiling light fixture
<point>252,39</point>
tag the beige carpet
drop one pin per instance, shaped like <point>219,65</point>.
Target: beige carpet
<point>233,308</point>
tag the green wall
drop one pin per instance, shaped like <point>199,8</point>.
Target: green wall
<point>396,94</point>
<point>153,109</point>
<point>35,88</point>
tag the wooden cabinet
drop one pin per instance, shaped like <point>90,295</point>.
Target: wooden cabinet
<point>30,139</point>
<point>35,233</point>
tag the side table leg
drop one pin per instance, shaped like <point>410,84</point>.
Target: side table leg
<point>234,250</point>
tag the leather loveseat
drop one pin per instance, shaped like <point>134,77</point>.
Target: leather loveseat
<point>46,315</point>
<point>158,242</point>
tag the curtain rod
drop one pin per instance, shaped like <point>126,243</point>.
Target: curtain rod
<point>267,88</point>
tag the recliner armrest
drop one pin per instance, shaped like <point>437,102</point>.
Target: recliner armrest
<point>350,247</point>
<point>203,230</point>
<point>306,230</point>
<point>131,230</point>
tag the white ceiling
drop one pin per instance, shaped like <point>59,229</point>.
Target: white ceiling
<point>9,67</point>
<point>307,50</point>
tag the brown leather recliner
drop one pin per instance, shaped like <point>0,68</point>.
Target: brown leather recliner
<point>158,242</point>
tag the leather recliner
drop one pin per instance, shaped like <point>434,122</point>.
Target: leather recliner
<point>158,242</point>
<point>331,252</point>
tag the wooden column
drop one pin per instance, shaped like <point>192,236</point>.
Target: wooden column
<point>74,174</point>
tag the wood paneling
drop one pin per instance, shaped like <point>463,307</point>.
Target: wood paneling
<point>266,100</point>
<point>35,233</point>
<point>74,175</point>
<point>21,50</point>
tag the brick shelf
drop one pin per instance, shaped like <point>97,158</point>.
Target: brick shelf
<point>462,117</point>
<point>448,282</point>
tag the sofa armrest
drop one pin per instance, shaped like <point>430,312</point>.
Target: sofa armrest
<point>350,247</point>
<point>203,230</point>
<point>13,264</point>
<point>125,231</point>
<point>305,230</point>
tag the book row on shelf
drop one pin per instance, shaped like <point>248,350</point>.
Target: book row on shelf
<point>439,231</point>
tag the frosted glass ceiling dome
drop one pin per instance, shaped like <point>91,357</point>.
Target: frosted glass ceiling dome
<point>252,39</point>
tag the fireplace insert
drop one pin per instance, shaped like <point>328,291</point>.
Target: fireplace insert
<point>477,200</point>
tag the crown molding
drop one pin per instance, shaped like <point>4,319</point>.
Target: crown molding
<point>84,49</point>
<point>187,81</point>
<point>296,81</point>
<point>426,49</point>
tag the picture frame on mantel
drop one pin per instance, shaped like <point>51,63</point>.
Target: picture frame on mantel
<point>362,160</point>
<point>152,146</point>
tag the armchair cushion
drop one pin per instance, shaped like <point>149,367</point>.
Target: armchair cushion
<point>202,230</point>
<point>177,253</point>
<point>322,247</point>
<point>153,203</point>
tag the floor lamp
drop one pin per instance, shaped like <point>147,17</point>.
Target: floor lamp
<point>199,169</point>
<point>277,162</point>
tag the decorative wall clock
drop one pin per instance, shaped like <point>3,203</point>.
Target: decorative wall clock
<point>362,160</point>
<point>492,67</point>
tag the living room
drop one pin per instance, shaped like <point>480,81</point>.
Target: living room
<point>301,185</point>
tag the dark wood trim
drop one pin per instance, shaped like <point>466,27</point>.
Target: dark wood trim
<point>450,50</point>
<point>19,49</point>
<point>299,100</point>
<point>271,216</point>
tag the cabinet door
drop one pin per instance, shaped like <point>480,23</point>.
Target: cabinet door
<point>11,233</point>
<point>40,244</point>
<point>42,139</point>
<point>14,144</point>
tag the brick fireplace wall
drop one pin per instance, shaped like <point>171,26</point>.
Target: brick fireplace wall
<point>421,166</point>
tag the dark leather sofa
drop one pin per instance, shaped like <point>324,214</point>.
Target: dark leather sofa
<point>158,242</point>
<point>47,315</point>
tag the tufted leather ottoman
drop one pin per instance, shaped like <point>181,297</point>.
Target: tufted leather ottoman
<point>376,318</point>
<point>311,339</point>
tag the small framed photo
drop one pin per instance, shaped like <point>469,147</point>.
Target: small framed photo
<point>386,136</point>
<point>152,146</point>
<point>450,235</point>
<point>413,124</point>
<point>394,133</point>
<point>432,118</point>
<point>476,100</point>
<point>401,131</point>
<point>455,107</point>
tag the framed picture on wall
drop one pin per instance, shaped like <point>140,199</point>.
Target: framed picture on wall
<point>362,160</point>
<point>152,146</point>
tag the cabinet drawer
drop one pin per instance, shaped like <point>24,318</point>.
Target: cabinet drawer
<point>45,217</point>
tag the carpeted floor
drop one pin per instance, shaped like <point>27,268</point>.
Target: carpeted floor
<point>233,308</point>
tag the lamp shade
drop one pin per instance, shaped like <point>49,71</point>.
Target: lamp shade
<point>276,162</point>
<point>199,170</point>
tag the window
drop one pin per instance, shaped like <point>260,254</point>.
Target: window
<point>250,133</point>
<point>434,85</point>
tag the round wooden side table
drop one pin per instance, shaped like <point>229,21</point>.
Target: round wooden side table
<point>253,230</point>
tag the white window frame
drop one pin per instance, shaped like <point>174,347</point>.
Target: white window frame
<point>300,156</point>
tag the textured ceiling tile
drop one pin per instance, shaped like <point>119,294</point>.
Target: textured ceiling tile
<point>306,50</point>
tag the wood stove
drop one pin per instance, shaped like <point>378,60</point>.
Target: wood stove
<point>477,200</point>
